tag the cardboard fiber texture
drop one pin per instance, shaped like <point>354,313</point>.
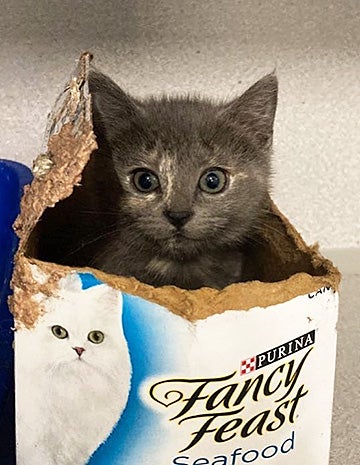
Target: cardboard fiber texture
<point>232,376</point>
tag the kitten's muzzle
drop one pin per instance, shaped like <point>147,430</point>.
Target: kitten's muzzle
<point>79,350</point>
<point>178,219</point>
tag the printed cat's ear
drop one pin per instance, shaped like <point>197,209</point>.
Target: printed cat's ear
<point>254,111</point>
<point>113,109</point>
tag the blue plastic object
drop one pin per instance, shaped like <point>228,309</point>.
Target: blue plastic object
<point>13,177</point>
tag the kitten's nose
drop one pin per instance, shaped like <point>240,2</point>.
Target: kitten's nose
<point>79,350</point>
<point>178,219</point>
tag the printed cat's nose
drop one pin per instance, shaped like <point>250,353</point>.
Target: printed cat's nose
<point>79,350</point>
<point>178,219</point>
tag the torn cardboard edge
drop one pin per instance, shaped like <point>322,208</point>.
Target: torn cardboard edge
<point>70,143</point>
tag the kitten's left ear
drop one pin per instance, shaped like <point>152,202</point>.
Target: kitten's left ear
<point>254,111</point>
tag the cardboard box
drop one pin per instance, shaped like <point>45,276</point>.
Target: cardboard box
<point>113,371</point>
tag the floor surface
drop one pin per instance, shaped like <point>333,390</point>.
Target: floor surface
<point>345,448</point>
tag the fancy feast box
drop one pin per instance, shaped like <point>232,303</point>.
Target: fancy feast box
<point>113,371</point>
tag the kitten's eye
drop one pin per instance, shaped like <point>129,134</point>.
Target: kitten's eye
<point>96,337</point>
<point>213,181</point>
<point>59,332</point>
<point>145,181</point>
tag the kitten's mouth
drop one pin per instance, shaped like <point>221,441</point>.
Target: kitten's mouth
<point>180,245</point>
<point>179,234</point>
<point>180,237</point>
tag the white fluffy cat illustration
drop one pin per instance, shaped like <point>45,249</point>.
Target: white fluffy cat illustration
<point>73,375</point>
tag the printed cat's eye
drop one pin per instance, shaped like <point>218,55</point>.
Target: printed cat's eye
<point>213,181</point>
<point>145,181</point>
<point>96,337</point>
<point>59,332</point>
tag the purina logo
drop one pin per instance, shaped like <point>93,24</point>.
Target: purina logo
<point>278,353</point>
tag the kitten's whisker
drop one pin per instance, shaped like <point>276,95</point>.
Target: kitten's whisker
<point>132,241</point>
<point>91,241</point>
<point>96,212</point>
<point>255,240</point>
<point>267,227</point>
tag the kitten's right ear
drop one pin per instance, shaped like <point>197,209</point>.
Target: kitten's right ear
<point>113,109</point>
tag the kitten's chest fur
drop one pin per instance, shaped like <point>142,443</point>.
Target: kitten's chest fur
<point>212,270</point>
<point>215,269</point>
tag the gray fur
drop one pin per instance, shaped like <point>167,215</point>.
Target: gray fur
<point>114,227</point>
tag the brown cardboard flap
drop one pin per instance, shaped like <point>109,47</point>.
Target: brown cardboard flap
<point>70,143</point>
<point>279,268</point>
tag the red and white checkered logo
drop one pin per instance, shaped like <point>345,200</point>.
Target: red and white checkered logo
<point>248,365</point>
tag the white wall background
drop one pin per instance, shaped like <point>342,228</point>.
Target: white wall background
<point>217,47</point>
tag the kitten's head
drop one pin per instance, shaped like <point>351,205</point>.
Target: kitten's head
<point>80,334</point>
<point>193,175</point>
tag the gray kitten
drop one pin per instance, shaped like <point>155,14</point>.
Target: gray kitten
<point>175,192</point>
